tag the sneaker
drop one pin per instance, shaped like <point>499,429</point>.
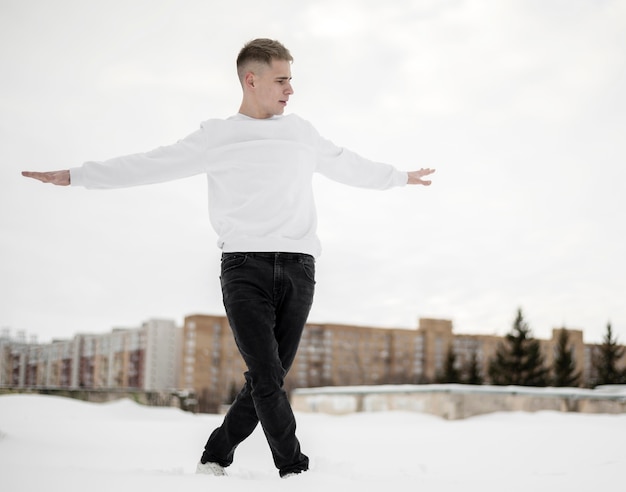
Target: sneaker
<point>291,475</point>
<point>209,468</point>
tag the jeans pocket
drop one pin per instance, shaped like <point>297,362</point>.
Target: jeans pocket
<point>308,266</point>
<point>231,261</point>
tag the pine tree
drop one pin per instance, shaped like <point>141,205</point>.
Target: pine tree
<point>473,374</point>
<point>564,366</point>
<point>518,360</point>
<point>606,360</point>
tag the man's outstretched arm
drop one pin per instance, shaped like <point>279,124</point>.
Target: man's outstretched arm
<point>59,178</point>
<point>415,177</point>
<point>62,178</point>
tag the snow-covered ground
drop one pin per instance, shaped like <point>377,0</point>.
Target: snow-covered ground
<point>50,444</point>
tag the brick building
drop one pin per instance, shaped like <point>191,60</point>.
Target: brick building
<point>212,368</point>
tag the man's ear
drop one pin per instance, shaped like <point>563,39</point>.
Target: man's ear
<point>249,79</point>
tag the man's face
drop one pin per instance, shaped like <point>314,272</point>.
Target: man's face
<point>272,85</point>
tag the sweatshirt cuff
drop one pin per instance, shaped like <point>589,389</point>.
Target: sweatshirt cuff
<point>401,178</point>
<point>76,176</point>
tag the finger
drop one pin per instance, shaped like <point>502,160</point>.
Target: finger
<point>34,175</point>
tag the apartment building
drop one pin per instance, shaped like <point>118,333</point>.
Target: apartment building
<point>212,368</point>
<point>162,348</point>
<point>13,358</point>
<point>145,358</point>
<point>329,355</point>
<point>354,355</point>
<point>332,354</point>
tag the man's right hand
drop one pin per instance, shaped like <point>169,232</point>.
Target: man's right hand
<point>59,178</point>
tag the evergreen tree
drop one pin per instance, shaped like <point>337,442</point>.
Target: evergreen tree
<point>564,366</point>
<point>451,373</point>
<point>473,374</point>
<point>606,360</point>
<point>518,360</point>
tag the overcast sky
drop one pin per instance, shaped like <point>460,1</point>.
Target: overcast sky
<point>519,105</point>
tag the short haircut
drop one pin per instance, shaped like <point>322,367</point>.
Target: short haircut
<point>262,51</point>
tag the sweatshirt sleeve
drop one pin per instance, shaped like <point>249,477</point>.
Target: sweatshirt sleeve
<point>347,167</point>
<point>180,160</point>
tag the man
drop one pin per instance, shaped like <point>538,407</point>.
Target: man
<point>259,166</point>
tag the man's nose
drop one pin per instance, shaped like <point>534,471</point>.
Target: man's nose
<point>289,88</point>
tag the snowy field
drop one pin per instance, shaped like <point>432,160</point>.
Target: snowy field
<point>56,444</point>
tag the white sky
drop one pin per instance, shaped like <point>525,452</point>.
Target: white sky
<point>519,105</point>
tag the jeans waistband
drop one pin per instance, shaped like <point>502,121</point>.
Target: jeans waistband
<point>273,255</point>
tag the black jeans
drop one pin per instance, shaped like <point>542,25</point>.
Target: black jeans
<point>267,297</point>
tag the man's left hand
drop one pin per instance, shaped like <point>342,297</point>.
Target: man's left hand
<point>415,177</point>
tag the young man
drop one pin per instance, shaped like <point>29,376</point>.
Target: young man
<point>259,166</point>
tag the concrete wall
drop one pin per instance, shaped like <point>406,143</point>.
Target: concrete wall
<point>458,401</point>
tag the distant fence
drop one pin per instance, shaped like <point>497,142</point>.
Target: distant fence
<point>457,401</point>
<point>176,399</point>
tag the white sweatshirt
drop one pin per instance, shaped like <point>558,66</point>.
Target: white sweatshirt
<point>259,174</point>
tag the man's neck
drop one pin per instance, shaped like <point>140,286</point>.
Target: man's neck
<point>252,111</point>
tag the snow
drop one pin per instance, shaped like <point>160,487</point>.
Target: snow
<point>51,443</point>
